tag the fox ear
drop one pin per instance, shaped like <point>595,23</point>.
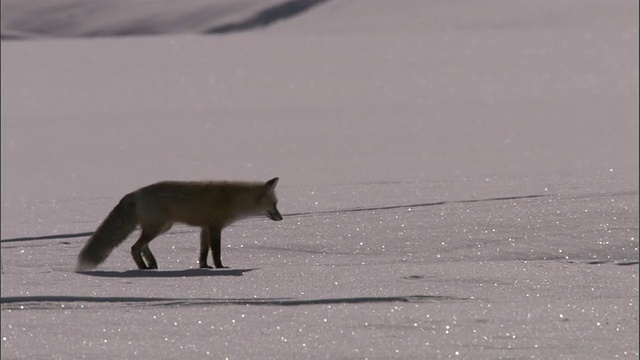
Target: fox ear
<point>271,184</point>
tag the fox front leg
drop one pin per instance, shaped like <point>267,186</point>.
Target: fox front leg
<point>210,238</point>
<point>205,245</point>
<point>215,236</point>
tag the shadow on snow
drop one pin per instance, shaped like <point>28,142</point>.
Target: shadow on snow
<point>263,18</point>
<point>85,302</point>
<point>314,213</point>
<point>166,273</point>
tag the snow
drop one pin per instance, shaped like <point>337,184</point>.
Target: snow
<point>457,179</point>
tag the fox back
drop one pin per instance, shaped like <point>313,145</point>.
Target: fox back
<point>206,203</point>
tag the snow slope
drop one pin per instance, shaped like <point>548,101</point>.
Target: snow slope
<point>458,179</point>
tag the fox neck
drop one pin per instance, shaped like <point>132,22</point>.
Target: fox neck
<point>247,208</point>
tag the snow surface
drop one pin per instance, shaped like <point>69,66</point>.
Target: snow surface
<point>458,179</point>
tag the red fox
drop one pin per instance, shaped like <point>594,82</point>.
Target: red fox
<point>209,205</point>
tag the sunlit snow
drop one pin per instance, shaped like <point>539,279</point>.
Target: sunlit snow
<point>457,179</point>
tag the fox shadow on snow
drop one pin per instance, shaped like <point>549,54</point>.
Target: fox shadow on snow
<point>166,273</point>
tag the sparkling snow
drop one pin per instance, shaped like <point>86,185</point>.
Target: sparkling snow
<point>457,179</point>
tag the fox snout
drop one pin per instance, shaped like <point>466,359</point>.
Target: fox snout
<point>274,214</point>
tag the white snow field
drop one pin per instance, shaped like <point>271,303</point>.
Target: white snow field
<point>458,179</point>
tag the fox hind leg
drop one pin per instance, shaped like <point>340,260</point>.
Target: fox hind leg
<point>149,258</point>
<point>141,248</point>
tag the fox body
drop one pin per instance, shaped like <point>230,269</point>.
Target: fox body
<point>155,208</point>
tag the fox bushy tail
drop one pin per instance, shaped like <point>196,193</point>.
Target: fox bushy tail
<point>120,222</point>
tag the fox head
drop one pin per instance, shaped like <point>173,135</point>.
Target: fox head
<point>268,201</point>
